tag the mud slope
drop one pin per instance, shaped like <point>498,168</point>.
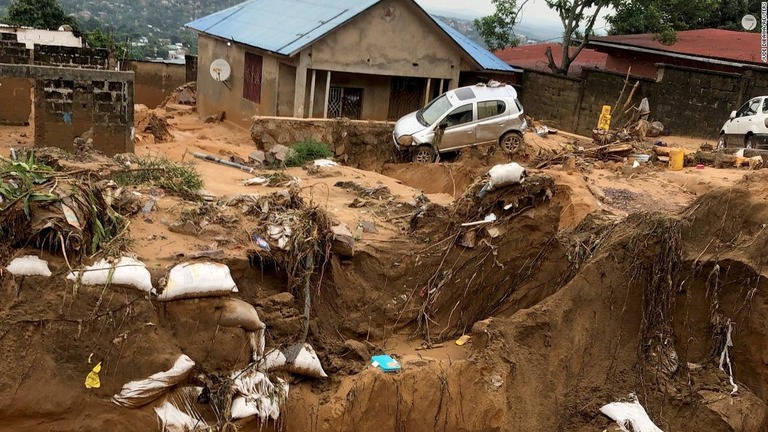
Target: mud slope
<point>648,313</point>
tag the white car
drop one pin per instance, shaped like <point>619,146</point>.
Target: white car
<point>466,116</point>
<point>747,126</point>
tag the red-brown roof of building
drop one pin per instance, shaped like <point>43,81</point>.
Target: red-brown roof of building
<point>710,43</point>
<point>533,57</point>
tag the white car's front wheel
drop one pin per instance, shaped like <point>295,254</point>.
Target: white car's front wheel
<point>722,143</point>
<point>749,142</point>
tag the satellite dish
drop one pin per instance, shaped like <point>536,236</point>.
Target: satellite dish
<point>220,70</point>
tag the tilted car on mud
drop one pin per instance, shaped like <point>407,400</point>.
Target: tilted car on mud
<point>464,117</point>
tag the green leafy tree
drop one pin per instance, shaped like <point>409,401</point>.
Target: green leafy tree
<point>666,17</point>
<point>100,39</point>
<point>41,14</point>
<point>578,18</point>
<point>496,29</point>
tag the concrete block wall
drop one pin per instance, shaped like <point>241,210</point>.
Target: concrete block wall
<point>603,88</point>
<point>85,58</point>
<point>70,102</point>
<point>694,102</point>
<point>70,106</point>
<point>550,98</point>
<point>156,80</point>
<point>688,101</point>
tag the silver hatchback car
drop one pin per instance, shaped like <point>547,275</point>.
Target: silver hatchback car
<point>466,116</point>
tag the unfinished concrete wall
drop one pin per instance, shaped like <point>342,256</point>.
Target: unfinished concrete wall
<point>69,102</point>
<point>551,98</point>
<point>603,88</point>
<point>71,57</point>
<point>16,93</point>
<point>155,80</point>
<point>215,97</point>
<point>693,102</point>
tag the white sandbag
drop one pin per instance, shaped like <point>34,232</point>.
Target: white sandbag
<point>29,265</point>
<point>172,419</point>
<point>505,175</point>
<point>138,393</point>
<point>298,359</point>
<point>630,416</point>
<point>257,396</point>
<point>194,280</point>
<point>126,271</point>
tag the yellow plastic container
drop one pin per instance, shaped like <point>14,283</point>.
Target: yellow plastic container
<point>676,159</point>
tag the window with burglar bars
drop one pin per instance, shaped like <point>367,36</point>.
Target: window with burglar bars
<point>252,77</point>
<point>345,102</point>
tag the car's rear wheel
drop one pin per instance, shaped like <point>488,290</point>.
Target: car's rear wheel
<point>722,142</point>
<point>749,142</point>
<point>423,154</point>
<point>511,142</point>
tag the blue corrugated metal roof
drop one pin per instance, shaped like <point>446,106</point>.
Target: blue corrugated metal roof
<point>287,26</point>
<point>482,56</point>
<point>280,26</point>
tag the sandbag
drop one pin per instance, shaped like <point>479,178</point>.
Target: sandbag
<point>298,359</point>
<point>505,175</point>
<point>29,265</point>
<point>237,313</point>
<point>139,393</point>
<point>194,280</point>
<point>257,396</point>
<point>126,271</point>
<point>172,419</point>
<point>630,416</point>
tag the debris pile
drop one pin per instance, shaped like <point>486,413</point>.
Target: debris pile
<point>182,95</point>
<point>151,126</point>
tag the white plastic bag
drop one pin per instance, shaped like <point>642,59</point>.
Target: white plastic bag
<point>630,416</point>
<point>298,359</point>
<point>126,271</point>
<point>138,393</point>
<point>505,175</point>
<point>194,280</point>
<point>29,265</point>
<point>172,419</point>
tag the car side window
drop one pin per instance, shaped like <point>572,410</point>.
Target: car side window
<point>460,115</point>
<point>749,109</point>
<point>765,106</point>
<point>490,109</point>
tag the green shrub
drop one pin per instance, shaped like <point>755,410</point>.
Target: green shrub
<point>178,179</point>
<point>307,151</point>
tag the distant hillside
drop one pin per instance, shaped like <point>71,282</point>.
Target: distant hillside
<point>134,19</point>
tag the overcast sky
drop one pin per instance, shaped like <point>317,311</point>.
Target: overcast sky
<point>534,10</point>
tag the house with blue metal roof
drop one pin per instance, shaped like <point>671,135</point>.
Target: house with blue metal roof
<point>359,59</point>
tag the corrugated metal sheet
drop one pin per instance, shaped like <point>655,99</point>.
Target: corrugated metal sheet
<point>482,56</point>
<point>533,57</point>
<point>726,45</point>
<point>280,26</point>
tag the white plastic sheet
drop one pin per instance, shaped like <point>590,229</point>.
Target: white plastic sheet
<point>194,280</point>
<point>505,175</point>
<point>630,416</point>
<point>138,393</point>
<point>126,271</point>
<point>299,359</point>
<point>29,265</point>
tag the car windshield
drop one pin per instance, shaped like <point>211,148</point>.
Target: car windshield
<point>428,115</point>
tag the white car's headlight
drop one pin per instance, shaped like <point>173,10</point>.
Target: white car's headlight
<point>405,140</point>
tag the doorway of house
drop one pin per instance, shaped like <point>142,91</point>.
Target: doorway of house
<point>345,102</point>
